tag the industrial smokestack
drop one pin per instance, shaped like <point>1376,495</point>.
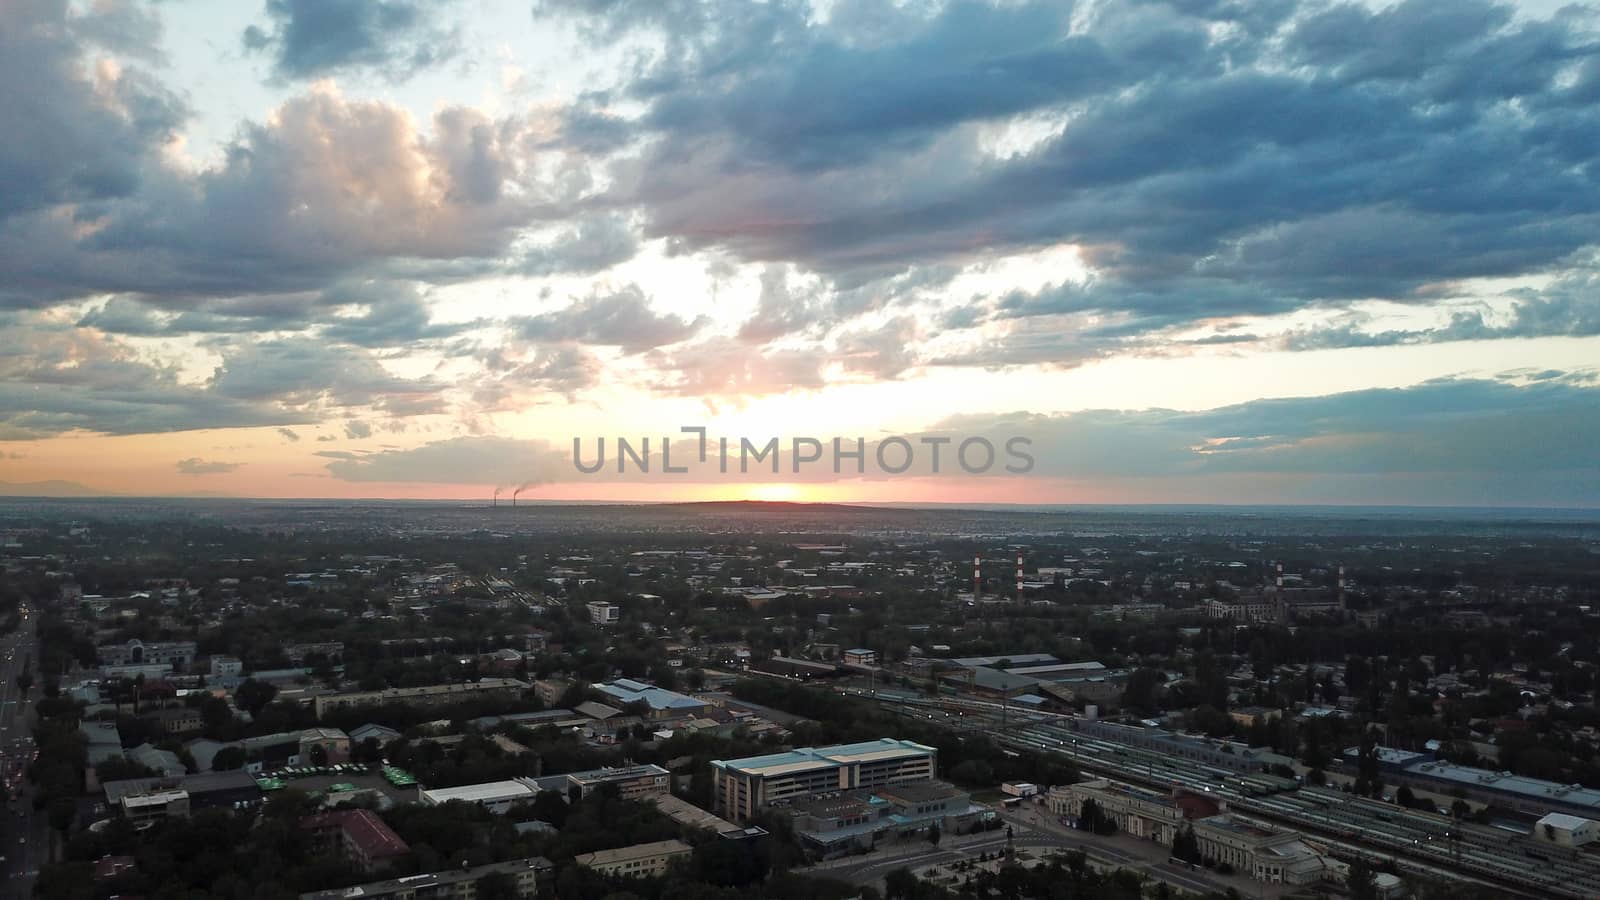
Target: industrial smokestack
<point>977,576</point>
<point>1280,576</point>
<point>1019,576</point>
<point>514,497</point>
<point>494,501</point>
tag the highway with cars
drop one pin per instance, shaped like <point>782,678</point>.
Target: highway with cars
<point>1423,843</point>
<point>27,839</point>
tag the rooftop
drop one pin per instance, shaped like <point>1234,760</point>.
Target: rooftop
<point>809,758</point>
<point>375,838</point>
<point>626,690</point>
<point>488,791</point>
<point>1483,779</point>
<point>627,854</point>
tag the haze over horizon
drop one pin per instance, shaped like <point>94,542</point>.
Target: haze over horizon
<point>1196,252</point>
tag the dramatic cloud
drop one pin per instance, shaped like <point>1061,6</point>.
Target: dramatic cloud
<point>311,38</point>
<point>196,466</point>
<point>592,245</point>
<point>1209,160</point>
<point>55,380</point>
<point>80,132</point>
<point>290,435</point>
<point>326,188</point>
<point>305,373</point>
<point>620,318</point>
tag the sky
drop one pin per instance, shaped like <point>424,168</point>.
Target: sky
<point>1188,251</point>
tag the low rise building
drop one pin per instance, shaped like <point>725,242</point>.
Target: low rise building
<point>157,803</point>
<point>1566,831</point>
<point>357,835</point>
<point>663,704</point>
<point>604,614</point>
<point>1262,852</point>
<point>639,860</point>
<point>495,796</point>
<point>834,824</point>
<point>861,656</point>
<point>632,782</point>
<point>428,695</point>
<point>1136,811</point>
<point>171,654</point>
<point>226,665</point>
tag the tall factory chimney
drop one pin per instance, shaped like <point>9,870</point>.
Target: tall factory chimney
<point>977,577</point>
<point>1019,576</point>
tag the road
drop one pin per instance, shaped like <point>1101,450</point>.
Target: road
<point>27,838</point>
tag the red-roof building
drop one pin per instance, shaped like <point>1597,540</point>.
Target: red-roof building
<point>358,835</point>
<point>112,866</point>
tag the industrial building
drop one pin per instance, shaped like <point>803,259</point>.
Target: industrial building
<point>664,704</point>
<point>743,786</point>
<point>495,796</point>
<point>422,696</point>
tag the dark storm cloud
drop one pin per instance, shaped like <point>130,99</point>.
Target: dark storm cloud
<point>1210,158</point>
<point>312,38</point>
<point>620,318</point>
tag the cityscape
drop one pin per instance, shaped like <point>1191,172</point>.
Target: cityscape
<point>799,450</point>
<point>463,700</point>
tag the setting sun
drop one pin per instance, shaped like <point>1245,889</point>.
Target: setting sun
<point>777,492</point>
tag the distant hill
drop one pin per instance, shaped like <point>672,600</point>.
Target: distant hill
<point>49,489</point>
<point>759,506</point>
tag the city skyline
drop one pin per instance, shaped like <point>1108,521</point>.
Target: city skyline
<point>1313,253</point>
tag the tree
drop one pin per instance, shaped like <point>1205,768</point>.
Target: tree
<point>228,759</point>
<point>319,755</point>
<point>497,886</point>
<point>899,885</point>
<point>933,834</point>
<point>1185,845</point>
<point>1143,689</point>
<point>25,681</point>
<point>1404,797</point>
<point>252,696</point>
<point>1359,883</point>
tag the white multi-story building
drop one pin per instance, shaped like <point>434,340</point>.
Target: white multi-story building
<point>603,613</point>
<point>743,786</point>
